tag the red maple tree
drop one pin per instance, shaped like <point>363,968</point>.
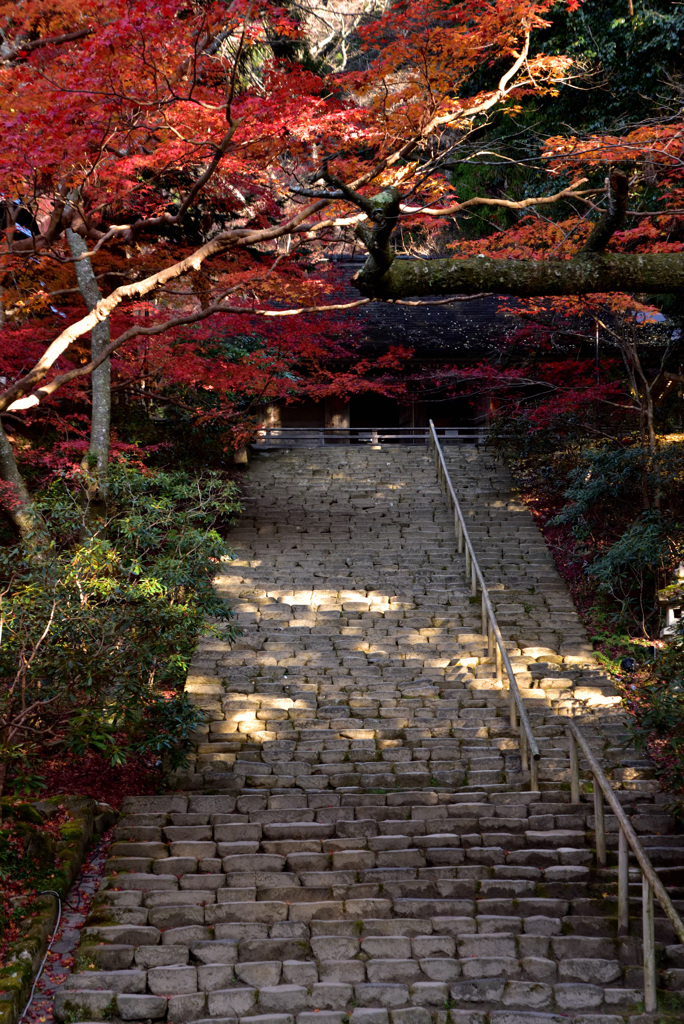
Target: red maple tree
<point>193,167</point>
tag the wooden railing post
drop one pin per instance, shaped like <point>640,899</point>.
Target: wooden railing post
<point>623,885</point>
<point>652,885</point>
<point>648,924</point>
<point>534,774</point>
<point>574,770</point>
<point>599,825</point>
<point>524,759</point>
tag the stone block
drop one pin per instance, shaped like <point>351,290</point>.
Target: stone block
<point>485,990</point>
<point>623,997</point>
<point>537,924</point>
<point>176,917</point>
<point>173,980</point>
<point>214,976</point>
<point>118,981</point>
<point>486,945</point>
<point>266,911</point>
<point>70,1004</point>
<point>142,881</point>
<point>300,972</point>
<point>532,995</point>
<point>195,849</point>
<point>410,1015</point>
<point>112,958</point>
<point>592,971</point>
<point>429,993</point>
<point>334,947</point>
<point>368,1015</point>
<point>490,967</point>
<point>427,946</point>
<point>538,968</point>
<point>575,996</point>
<point>440,968</point>
<point>393,971</point>
<point>216,951</point>
<point>187,936</point>
<point>160,956</point>
<point>154,804</point>
<point>123,934</point>
<point>331,995</point>
<point>237,1002</point>
<point>140,1007</point>
<point>387,946</point>
<point>187,1007</point>
<point>388,995</point>
<point>259,973</point>
<point>283,998</point>
<point>347,972</point>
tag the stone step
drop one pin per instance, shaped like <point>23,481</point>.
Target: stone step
<point>353,840</point>
<point>291,988</point>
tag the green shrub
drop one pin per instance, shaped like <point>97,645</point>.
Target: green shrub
<point>657,704</point>
<point>99,625</point>
<point>628,571</point>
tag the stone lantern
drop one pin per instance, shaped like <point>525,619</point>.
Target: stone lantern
<point>671,603</point>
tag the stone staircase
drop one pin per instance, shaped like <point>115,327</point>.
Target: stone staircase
<point>354,839</point>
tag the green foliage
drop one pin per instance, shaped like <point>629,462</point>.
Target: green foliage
<point>626,551</point>
<point>628,570</point>
<point>232,347</point>
<point>603,474</point>
<point>621,73</point>
<point>616,472</point>
<point>658,708</point>
<point>100,623</point>
<point>628,58</point>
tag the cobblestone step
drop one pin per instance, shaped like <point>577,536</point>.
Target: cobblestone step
<point>353,840</point>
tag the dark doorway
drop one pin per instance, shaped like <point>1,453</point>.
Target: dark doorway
<point>371,410</point>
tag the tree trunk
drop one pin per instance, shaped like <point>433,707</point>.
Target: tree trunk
<point>18,503</point>
<point>652,273</point>
<point>96,462</point>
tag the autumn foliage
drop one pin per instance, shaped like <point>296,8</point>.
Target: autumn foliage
<point>177,183</point>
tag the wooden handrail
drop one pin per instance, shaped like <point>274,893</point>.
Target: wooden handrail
<point>651,883</point>
<point>529,750</point>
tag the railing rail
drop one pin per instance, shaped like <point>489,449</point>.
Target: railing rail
<point>651,885</point>
<point>313,437</point>
<point>529,751</point>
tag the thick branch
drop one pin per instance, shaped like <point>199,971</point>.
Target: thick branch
<point>509,204</point>
<point>21,47</point>
<point>33,399</point>
<point>614,217</point>
<point>138,289</point>
<point>651,273</point>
